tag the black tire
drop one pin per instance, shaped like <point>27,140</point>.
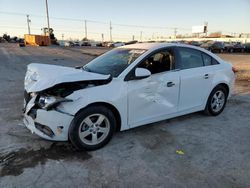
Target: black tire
<point>74,135</point>
<point>209,110</point>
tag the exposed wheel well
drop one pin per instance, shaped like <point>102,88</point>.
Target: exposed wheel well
<point>112,108</point>
<point>225,86</point>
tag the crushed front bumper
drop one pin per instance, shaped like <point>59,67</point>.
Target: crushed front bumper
<point>51,125</point>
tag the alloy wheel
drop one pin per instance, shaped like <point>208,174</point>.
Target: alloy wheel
<point>218,101</point>
<point>94,129</point>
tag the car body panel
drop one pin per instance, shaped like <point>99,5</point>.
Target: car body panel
<point>152,97</point>
<point>57,121</point>
<point>113,93</point>
<point>194,86</point>
<point>41,76</point>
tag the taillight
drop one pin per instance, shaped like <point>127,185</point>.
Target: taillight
<point>234,70</point>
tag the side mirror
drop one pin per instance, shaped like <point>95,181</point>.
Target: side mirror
<point>141,73</point>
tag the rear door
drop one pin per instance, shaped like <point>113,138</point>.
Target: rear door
<point>195,78</point>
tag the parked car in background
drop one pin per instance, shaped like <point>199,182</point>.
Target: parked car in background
<point>116,44</point>
<point>127,87</point>
<point>214,46</point>
<point>194,43</point>
<point>76,43</point>
<point>85,43</point>
<point>228,47</point>
<point>247,47</point>
<point>100,44</point>
<point>239,47</point>
<point>68,44</point>
<point>21,43</point>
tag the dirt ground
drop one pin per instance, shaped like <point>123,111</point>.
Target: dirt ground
<point>216,149</point>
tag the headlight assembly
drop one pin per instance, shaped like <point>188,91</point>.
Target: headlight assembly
<point>47,102</point>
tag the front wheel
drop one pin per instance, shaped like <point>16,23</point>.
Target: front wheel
<point>216,101</point>
<point>92,128</point>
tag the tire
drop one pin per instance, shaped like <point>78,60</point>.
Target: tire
<point>86,133</point>
<point>215,106</point>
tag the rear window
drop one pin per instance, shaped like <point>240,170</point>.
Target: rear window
<point>190,58</point>
<point>208,60</point>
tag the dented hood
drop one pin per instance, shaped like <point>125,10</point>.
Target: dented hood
<point>42,76</point>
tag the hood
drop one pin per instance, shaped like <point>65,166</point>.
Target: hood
<point>42,76</point>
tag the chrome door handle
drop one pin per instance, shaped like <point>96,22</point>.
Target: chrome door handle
<point>170,84</point>
<point>206,76</point>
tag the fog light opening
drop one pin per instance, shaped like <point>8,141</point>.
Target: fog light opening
<point>44,129</point>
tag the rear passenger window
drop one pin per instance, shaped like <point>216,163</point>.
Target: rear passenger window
<point>190,58</point>
<point>214,62</point>
<point>208,60</point>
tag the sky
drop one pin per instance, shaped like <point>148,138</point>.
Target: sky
<point>149,19</point>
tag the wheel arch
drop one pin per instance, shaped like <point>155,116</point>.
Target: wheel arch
<point>225,85</point>
<point>110,107</point>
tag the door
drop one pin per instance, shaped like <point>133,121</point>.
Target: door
<point>195,78</point>
<point>151,99</point>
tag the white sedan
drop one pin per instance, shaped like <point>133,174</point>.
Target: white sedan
<point>124,88</point>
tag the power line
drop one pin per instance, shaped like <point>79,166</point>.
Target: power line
<point>95,21</point>
<point>107,27</point>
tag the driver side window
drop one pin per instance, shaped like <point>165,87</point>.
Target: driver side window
<point>160,61</point>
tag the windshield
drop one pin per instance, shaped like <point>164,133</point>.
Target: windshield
<point>113,62</point>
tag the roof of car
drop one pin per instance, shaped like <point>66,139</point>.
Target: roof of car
<point>155,45</point>
<point>147,46</point>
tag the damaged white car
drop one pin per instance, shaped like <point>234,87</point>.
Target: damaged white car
<point>124,88</point>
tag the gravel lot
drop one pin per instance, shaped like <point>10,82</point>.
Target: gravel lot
<point>216,149</point>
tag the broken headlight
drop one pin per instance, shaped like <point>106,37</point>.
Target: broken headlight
<point>48,102</point>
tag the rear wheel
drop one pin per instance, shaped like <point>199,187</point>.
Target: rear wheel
<point>216,101</point>
<point>92,128</point>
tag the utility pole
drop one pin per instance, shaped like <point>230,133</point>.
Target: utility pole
<point>62,37</point>
<point>102,37</point>
<point>205,28</point>
<point>86,34</point>
<point>133,38</point>
<point>175,32</point>
<point>28,22</point>
<point>141,36</point>
<point>47,12</point>
<point>110,31</point>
